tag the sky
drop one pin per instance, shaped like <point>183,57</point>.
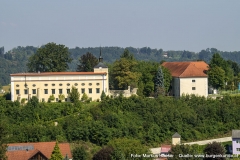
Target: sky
<point>170,25</point>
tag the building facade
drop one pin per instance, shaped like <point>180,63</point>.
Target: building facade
<point>188,78</point>
<point>236,141</point>
<point>43,85</point>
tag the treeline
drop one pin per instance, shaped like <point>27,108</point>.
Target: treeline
<point>151,121</point>
<point>15,60</point>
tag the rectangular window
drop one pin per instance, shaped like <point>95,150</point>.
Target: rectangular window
<point>25,91</point>
<point>237,141</point>
<point>238,149</point>
<point>33,91</point>
<point>193,80</point>
<point>45,91</point>
<point>68,91</point>
<point>193,88</point>
<point>89,90</point>
<point>17,91</point>
<point>56,99</point>
<point>65,99</point>
<point>60,91</point>
<point>97,90</point>
<point>83,90</point>
<point>53,91</point>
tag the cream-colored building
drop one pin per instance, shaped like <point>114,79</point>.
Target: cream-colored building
<point>188,78</point>
<point>43,85</point>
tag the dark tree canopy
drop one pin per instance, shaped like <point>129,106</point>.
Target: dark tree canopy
<point>214,148</point>
<point>104,154</point>
<point>87,62</point>
<point>3,146</point>
<point>50,58</point>
<point>79,153</point>
<point>126,54</point>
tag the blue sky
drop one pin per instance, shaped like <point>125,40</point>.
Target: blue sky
<point>170,25</point>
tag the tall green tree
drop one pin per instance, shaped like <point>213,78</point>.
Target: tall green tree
<point>87,62</point>
<point>56,153</point>
<point>103,96</point>
<point>167,79</point>
<point>218,61</point>
<point>50,58</point>
<point>124,73</point>
<point>74,95</point>
<point>216,76</point>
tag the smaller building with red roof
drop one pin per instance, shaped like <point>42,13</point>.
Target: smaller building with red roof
<point>36,151</point>
<point>188,78</point>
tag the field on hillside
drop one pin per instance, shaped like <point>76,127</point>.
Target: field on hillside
<point>6,89</point>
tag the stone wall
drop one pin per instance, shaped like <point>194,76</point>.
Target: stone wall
<point>126,93</point>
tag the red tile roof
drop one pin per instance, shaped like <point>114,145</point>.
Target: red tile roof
<point>165,148</point>
<point>45,148</point>
<point>57,73</point>
<point>187,69</point>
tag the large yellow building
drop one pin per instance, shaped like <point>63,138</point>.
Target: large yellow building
<point>43,85</point>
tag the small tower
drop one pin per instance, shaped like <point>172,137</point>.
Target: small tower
<point>176,139</point>
<point>101,67</point>
<point>100,57</point>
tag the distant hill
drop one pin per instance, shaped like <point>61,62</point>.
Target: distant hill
<point>15,60</point>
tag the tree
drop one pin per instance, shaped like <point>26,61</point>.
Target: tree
<point>56,153</point>
<point>51,98</point>
<point>3,146</point>
<point>184,150</point>
<point>34,101</point>
<point>84,97</point>
<point>129,146</point>
<point>214,148</point>
<point>87,62</point>
<point>103,95</point>
<point>126,54</point>
<point>218,61</point>
<point>216,77</point>
<point>79,153</point>
<point>61,97</point>
<point>124,74</point>
<point>50,58</point>
<point>0,86</point>
<point>167,79</point>
<point>159,88</point>
<point>104,154</point>
<point>74,95</point>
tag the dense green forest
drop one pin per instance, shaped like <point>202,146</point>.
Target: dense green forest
<point>15,60</point>
<point>148,121</point>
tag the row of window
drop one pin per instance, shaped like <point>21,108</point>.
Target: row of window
<point>76,84</point>
<point>60,91</point>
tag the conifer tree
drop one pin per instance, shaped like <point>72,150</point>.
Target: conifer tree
<point>74,95</point>
<point>103,95</point>
<point>56,153</point>
<point>159,83</point>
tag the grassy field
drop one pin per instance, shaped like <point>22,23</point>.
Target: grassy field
<point>6,89</point>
